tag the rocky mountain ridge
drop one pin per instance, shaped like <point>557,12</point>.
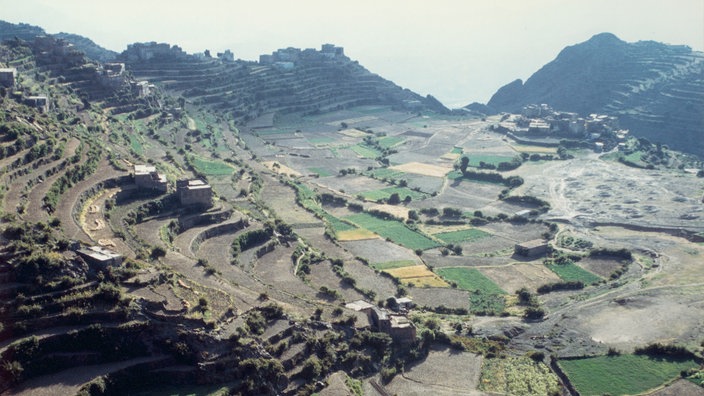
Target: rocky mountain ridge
<point>656,90</point>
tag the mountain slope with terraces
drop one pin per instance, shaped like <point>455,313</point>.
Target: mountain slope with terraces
<point>656,90</point>
<point>310,82</point>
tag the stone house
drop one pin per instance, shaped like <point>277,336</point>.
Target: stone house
<point>100,256</point>
<point>7,77</point>
<point>40,102</point>
<point>146,177</point>
<point>194,192</point>
<point>534,248</point>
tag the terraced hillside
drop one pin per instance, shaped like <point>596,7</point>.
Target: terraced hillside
<point>656,90</point>
<point>314,83</point>
<point>306,210</point>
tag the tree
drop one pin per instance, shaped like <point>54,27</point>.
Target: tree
<point>464,163</point>
<point>158,252</point>
<point>394,199</point>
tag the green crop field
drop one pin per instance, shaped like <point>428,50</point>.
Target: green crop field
<point>212,168</point>
<point>385,193</point>
<point>573,272</point>
<point>623,374</point>
<point>387,173</point>
<point>486,296</point>
<point>136,144</point>
<point>475,159</point>
<point>456,150</point>
<point>390,141</point>
<point>470,279</point>
<point>322,172</point>
<point>366,151</point>
<point>393,264</point>
<point>470,235</point>
<point>394,230</point>
<point>337,224</point>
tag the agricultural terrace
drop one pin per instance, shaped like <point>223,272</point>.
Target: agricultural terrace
<point>394,230</point>
<point>475,160</point>
<point>390,141</point>
<point>468,235</point>
<point>211,167</point>
<point>366,151</point>
<point>486,297</point>
<point>518,376</point>
<point>417,275</point>
<point>622,374</point>
<point>570,272</point>
<point>385,193</point>
<point>393,264</point>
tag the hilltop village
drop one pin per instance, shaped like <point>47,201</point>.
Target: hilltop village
<point>298,225</point>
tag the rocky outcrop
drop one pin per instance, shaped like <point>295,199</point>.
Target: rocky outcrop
<point>656,90</point>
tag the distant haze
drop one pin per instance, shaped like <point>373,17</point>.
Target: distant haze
<point>456,50</point>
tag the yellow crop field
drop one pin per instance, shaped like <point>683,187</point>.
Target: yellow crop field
<point>423,169</point>
<point>358,234</point>
<point>281,169</point>
<point>398,211</point>
<point>418,275</point>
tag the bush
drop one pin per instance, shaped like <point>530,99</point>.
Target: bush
<point>534,313</point>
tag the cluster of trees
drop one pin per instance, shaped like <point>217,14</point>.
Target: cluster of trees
<point>501,166</point>
<point>251,239</point>
<point>558,286</point>
<point>533,310</point>
<point>511,181</point>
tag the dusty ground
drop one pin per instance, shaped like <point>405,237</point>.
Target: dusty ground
<point>443,372</point>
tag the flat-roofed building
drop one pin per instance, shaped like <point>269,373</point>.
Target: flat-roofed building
<point>40,102</point>
<point>100,256</point>
<point>194,192</point>
<point>8,76</point>
<point>532,248</point>
<point>146,177</point>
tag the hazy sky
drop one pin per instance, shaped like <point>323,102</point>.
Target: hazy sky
<point>460,51</point>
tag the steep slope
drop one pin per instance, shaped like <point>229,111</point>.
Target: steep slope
<point>308,81</point>
<point>23,31</point>
<point>656,90</point>
<point>88,47</point>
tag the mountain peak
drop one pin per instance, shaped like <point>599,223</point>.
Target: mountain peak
<point>604,38</point>
<point>652,87</point>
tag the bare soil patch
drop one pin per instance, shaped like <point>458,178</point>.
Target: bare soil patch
<point>443,372</point>
<point>368,279</point>
<point>518,275</point>
<point>602,266</point>
<point>379,251</point>
<point>321,274</point>
<point>435,297</point>
<point>679,388</point>
<point>423,169</point>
